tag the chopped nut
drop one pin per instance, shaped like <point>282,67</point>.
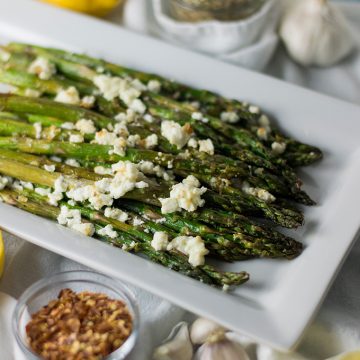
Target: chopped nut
<point>79,326</point>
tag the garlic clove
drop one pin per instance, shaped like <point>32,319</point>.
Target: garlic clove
<point>221,350</point>
<point>177,346</point>
<point>316,33</point>
<point>202,329</point>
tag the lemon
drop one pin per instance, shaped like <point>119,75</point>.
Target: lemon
<point>2,254</point>
<point>91,7</point>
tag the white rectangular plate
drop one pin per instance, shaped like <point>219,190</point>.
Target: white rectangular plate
<point>280,299</point>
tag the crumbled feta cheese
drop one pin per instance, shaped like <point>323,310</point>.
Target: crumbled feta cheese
<point>50,168</point>
<point>259,171</point>
<point>42,191</point>
<point>148,118</point>
<point>27,185</point>
<point>185,195</point>
<point>137,84</point>
<point>264,121</point>
<point>137,221</point>
<point>169,205</point>
<point>192,143</point>
<point>68,96</point>
<point>278,148</point>
<point>105,137</point>
<point>206,146</point>
<point>192,246</point>
<point>116,214</point>
<point>54,198</point>
<point>60,184</point>
<point>86,229</point>
<point>85,126</point>
<point>254,109</point>
<point>32,93</point>
<point>68,216</point>
<point>71,202</point>
<point>101,170</point>
<point>68,126</point>
<point>154,86</point>
<point>138,106</point>
<point>121,129</point>
<point>133,140</point>
<point>148,168</point>
<point>76,138</point>
<point>151,141</point>
<point>199,116</point>
<point>51,132</point>
<point>17,186</point>
<point>108,231</point>
<point>55,158</point>
<point>262,133</point>
<point>4,55</point>
<point>72,162</point>
<point>4,181</point>
<point>230,117</point>
<point>38,130</point>
<point>110,87</point>
<point>127,117</point>
<point>87,101</point>
<point>141,185</point>
<point>160,241</point>
<point>42,68</point>
<point>176,134</point>
<point>262,194</point>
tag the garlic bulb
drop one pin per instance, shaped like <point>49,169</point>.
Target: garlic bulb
<point>221,350</point>
<point>202,329</point>
<point>316,33</point>
<point>177,346</point>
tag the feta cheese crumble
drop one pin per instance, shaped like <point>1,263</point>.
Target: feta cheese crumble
<point>151,141</point>
<point>4,181</point>
<point>68,96</point>
<point>206,146</point>
<point>154,86</point>
<point>42,68</point>
<point>108,231</point>
<point>230,117</point>
<point>68,126</point>
<point>116,214</point>
<point>199,116</point>
<point>185,195</point>
<point>278,148</point>
<point>72,162</point>
<point>101,170</point>
<point>38,130</point>
<point>49,168</point>
<point>262,194</point>
<point>76,138</point>
<point>254,109</point>
<point>175,133</point>
<point>192,246</point>
<point>87,101</point>
<point>85,126</point>
<point>160,241</point>
<point>32,93</point>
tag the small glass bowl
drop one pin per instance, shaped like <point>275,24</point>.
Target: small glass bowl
<point>43,291</point>
<point>223,10</point>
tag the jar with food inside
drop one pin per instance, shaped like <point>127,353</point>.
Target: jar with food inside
<point>223,10</point>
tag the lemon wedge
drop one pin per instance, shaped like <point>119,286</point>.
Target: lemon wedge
<point>2,254</point>
<point>91,7</point>
<point>352,355</point>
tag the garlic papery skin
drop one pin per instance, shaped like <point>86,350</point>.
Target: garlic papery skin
<point>221,350</point>
<point>177,346</point>
<point>202,329</point>
<point>316,33</point>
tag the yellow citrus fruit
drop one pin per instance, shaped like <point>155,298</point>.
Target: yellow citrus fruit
<point>2,254</point>
<point>91,7</point>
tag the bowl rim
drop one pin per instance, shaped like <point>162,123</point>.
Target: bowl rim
<point>84,276</point>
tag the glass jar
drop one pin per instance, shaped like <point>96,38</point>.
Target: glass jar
<point>223,10</point>
<point>42,292</point>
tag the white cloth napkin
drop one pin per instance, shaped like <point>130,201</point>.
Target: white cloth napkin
<point>337,326</point>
